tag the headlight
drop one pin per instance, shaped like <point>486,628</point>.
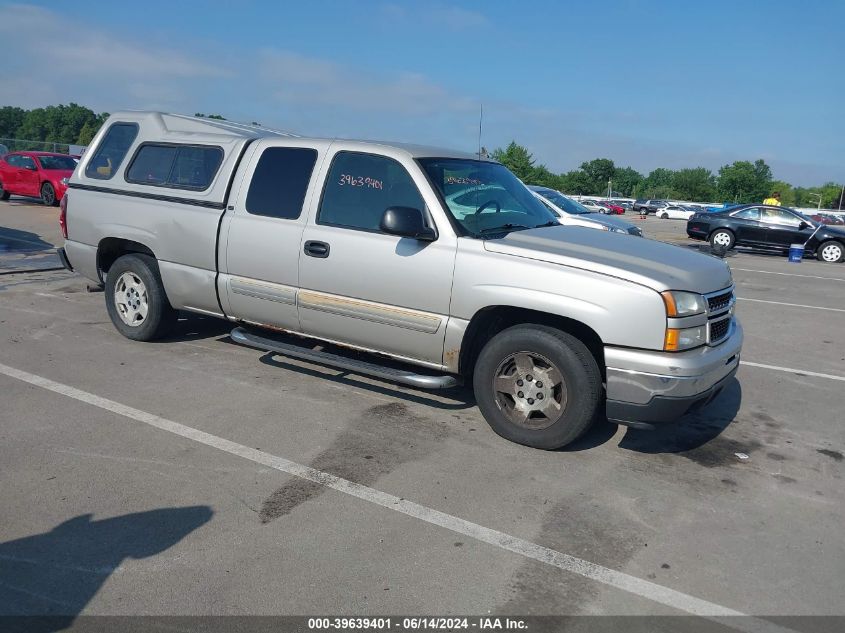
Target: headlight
<point>677,340</point>
<point>65,181</point>
<point>681,304</point>
<point>616,229</point>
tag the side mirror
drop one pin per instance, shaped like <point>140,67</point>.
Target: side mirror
<point>30,167</point>
<point>803,226</point>
<point>406,222</point>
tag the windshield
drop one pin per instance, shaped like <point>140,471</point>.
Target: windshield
<point>484,197</point>
<point>564,203</point>
<point>57,162</point>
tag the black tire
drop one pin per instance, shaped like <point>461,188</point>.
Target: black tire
<point>578,397</point>
<point>4,195</point>
<point>830,252</point>
<point>664,215</point>
<point>48,195</point>
<point>159,316</point>
<point>722,238</point>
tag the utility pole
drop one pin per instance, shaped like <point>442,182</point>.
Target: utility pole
<point>841,196</point>
<point>820,200</point>
<point>609,188</point>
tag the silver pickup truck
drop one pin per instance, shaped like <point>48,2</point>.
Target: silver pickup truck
<point>440,264</point>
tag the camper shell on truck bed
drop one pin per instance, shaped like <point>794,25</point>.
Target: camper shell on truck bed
<point>443,261</point>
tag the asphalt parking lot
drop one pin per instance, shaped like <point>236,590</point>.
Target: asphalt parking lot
<point>197,477</point>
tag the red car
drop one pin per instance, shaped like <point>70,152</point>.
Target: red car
<point>614,208</point>
<point>35,174</point>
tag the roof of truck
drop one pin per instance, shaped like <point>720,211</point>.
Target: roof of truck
<point>195,127</point>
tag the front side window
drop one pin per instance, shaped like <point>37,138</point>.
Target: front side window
<point>112,150</point>
<point>280,181</point>
<point>360,187</point>
<point>176,166</point>
<point>485,198</point>
<point>778,216</point>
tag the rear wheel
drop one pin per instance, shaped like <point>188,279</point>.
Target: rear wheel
<point>664,215</point>
<point>722,238</point>
<point>4,195</point>
<point>538,386</point>
<point>135,298</point>
<point>831,252</point>
<point>48,195</point>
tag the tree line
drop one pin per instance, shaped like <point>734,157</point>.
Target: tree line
<point>63,124</point>
<point>741,181</point>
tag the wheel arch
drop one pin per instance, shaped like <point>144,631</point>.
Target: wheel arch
<point>490,320</point>
<point>109,249</point>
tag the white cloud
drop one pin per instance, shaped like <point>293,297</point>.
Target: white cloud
<point>74,59</point>
<point>298,80</point>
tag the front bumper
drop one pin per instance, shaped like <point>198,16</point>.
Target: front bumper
<point>645,388</point>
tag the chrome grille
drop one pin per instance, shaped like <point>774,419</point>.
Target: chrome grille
<point>719,330</point>
<point>719,315</point>
<point>720,302</point>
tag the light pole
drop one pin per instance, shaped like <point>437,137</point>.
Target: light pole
<point>820,200</point>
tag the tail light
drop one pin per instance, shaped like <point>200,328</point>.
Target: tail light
<point>63,216</point>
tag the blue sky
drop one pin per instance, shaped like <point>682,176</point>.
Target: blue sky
<point>647,84</point>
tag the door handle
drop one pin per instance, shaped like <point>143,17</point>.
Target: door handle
<point>316,249</point>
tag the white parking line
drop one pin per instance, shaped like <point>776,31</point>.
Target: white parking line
<point>792,305</point>
<point>790,370</point>
<point>611,577</point>
<point>771,272</point>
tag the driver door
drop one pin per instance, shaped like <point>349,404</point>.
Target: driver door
<point>783,228</point>
<point>364,287</point>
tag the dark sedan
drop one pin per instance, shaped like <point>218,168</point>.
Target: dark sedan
<point>766,227</point>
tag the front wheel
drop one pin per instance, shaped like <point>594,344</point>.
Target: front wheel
<point>830,252</point>
<point>135,298</point>
<point>48,195</point>
<point>538,386</point>
<point>722,238</point>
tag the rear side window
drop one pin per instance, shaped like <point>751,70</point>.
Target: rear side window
<point>748,214</point>
<point>175,166</point>
<point>280,182</point>
<point>112,150</point>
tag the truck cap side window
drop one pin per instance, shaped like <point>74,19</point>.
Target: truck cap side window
<point>360,187</point>
<point>112,150</point>
<point>280,181</point>
<point>175,166</point>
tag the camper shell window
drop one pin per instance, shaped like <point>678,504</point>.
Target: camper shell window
<point>175,166</point>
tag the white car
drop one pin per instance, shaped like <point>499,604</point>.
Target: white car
<point>571,213</point>
<point>594,206</point>
<point>674,212</point>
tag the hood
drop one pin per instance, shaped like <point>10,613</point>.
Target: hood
<point>643,261</point>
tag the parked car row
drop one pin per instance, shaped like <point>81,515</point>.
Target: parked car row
<point>769,228</point>
<point>36,174</point>
<point>574,213</point>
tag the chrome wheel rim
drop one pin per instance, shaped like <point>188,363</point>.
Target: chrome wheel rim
<point>48,194</point>
<point>130,299</point>
<point>530,390</point>
<point>722,239</point>
<point>831,253</point>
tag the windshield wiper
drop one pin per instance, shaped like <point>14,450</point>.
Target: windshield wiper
<point>503,229</point>
<point>550,223</point>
